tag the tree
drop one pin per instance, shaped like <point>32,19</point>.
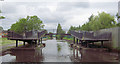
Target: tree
<point>2,17</point>
<point>0,11</point>
<point>118,18</point>
<point>106,20</point>
<point>1,28</point>
<point>91,17</point>
<point>60,32</point>
<point>27,24</point>
<point>102,21</point>
<point>74,28</point>
<point>71,28</point>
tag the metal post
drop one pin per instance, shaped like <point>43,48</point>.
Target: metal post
<point>86,44</point>
<point>77,41</point>
<point>38,34</point>
<point>101,44</point>
<point>81,43</point>
<point>41,40</point>
<point>74,40</point>
<point>23,42</point>
<point>16,43</point>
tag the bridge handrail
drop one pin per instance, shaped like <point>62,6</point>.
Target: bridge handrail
<point>77,34</point>
<point>90,35</point>
<point>41,33</point>
<point>12,34</point>
<point>28,34</point>
<point>107,36</point>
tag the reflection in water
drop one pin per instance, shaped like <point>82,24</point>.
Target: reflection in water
<point>58,47</point>
<point>92,55</point>
<point>28,55</point>
<point>51,54</point>
<point>76,57</point>
<point>8,58</point>
<point>48,54</point>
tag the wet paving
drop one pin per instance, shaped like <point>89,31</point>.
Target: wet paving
<point>58,51</point>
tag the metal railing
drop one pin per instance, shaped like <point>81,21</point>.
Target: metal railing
<point>41,33</point>
<point>90,35</point>
<point>29,34</point>
<point>12,34</point>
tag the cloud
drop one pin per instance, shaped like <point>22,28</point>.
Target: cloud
<point>46,0</point>
<point>52,13</point>
<point>61,0</point>
<point>67,6</point>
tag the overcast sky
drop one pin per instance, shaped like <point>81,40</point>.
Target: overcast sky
<point>52,12</point>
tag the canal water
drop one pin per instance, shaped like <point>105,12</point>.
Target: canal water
<point>54,51</point>
<point>58,51</point>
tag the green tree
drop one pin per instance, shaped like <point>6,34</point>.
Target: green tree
<point>27,24</point>
<point>60,32</point>
<point>106,20</point>
<point>118,18</point>
<point>71,28</point>
<point>0,11</point>
<point>74,28</point>
<point>118,24</point>
<point>1,28</point>
<point>91,17</point>
<point>2,17</point>
<point>102,21</point>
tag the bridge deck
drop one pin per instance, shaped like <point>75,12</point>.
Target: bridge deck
<point>22,39</point>
<point>30,37</point>
<point>89,37</point>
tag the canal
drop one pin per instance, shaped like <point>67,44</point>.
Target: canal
<point>54,51</point>
<point>58,51</point>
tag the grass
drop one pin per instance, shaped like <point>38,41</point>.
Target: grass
<point>5,41</point>
<point>9,47</point>
<point>68,38</point>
